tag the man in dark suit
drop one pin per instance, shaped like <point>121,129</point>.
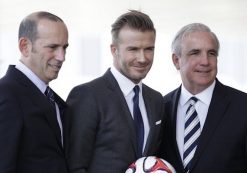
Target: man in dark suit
<point>31,135</point>
<point>212,135</point>
<point>104,133</point>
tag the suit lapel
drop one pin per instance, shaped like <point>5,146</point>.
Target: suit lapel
<point>38,99</point>
<point>217,107</point>
<point>150,114</point>
<point>114,87</point>
<point>173,113</point>
<point>50,114</point>
<point>152,118</point>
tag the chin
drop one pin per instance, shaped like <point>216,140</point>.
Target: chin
<point>137,80</point>
<point>54,77</point>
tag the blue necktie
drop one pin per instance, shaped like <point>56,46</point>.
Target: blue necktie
<point>138,121</point>
<point>191,133</point>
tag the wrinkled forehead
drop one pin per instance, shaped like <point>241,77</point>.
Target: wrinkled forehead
<point>199,37</point>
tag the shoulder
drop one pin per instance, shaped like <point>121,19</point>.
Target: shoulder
<point>229,91</point>
<point>8,86</point>
<point>236,94</point>
<point>98,85</point>
<point>91,91</point>
<point>89,86</point>
<point>172,95</point>
<point>151,92</point>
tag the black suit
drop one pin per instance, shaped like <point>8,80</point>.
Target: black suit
<point>29,135</point>
<point>222,145</point>
<point>102,135</point>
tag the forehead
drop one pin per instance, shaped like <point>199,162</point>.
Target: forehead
<point>130,35</point>
<point>199,40</point>
<point>48,29</point>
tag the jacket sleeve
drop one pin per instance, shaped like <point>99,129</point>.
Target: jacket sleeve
<point>81,121</point>
<point>10,131</point>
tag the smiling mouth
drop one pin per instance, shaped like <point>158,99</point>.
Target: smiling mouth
<point>55,67</point>
<point>199,71</point>
<point>141,66</point>
<point>140,69</point>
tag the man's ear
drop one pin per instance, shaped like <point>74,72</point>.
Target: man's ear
<point>175,60</point>
<point>114,50</point>
<point>25,46</point>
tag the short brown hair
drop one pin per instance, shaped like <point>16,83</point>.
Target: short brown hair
<point>133,19</point>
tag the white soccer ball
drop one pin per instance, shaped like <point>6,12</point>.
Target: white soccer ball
<point>150,164</point>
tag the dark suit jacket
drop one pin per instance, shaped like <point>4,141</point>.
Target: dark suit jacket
<point>102,137</point>
<point>222,145</point>
<point>29,135</point>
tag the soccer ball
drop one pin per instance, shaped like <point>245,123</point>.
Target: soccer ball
<point>150,164</point>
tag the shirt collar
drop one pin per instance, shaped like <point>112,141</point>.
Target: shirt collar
<point>204,96</point>
<point>125,84</point>
<point>32,76</point>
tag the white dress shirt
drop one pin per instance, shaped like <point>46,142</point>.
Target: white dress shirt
<point>126,86</point>
<point>201,106</point>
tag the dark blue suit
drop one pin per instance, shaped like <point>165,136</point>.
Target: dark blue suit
<point>222,145</point>
<point>102,137</point>
<point>29,135</point>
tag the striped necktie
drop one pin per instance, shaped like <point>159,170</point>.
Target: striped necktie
<point>192,132</point>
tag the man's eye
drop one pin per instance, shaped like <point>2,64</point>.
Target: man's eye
<point>193,53</point>
<point>52,47</point>
<point>150,49</point>
<point>132,49</point>
<point>213,53</point>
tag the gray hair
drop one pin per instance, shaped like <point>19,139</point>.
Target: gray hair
<point>190,28</point>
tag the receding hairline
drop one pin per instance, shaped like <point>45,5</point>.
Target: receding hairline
<point>43,15</point>
<point>29,25</point>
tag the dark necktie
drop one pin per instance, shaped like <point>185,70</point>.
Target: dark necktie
<point>191,133</point>
<point>50,95</point>
<point>138,121</point>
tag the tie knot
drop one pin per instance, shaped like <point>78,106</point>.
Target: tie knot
<point>136,89</point>
<point>49,94</point>
<point>193,100</point>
